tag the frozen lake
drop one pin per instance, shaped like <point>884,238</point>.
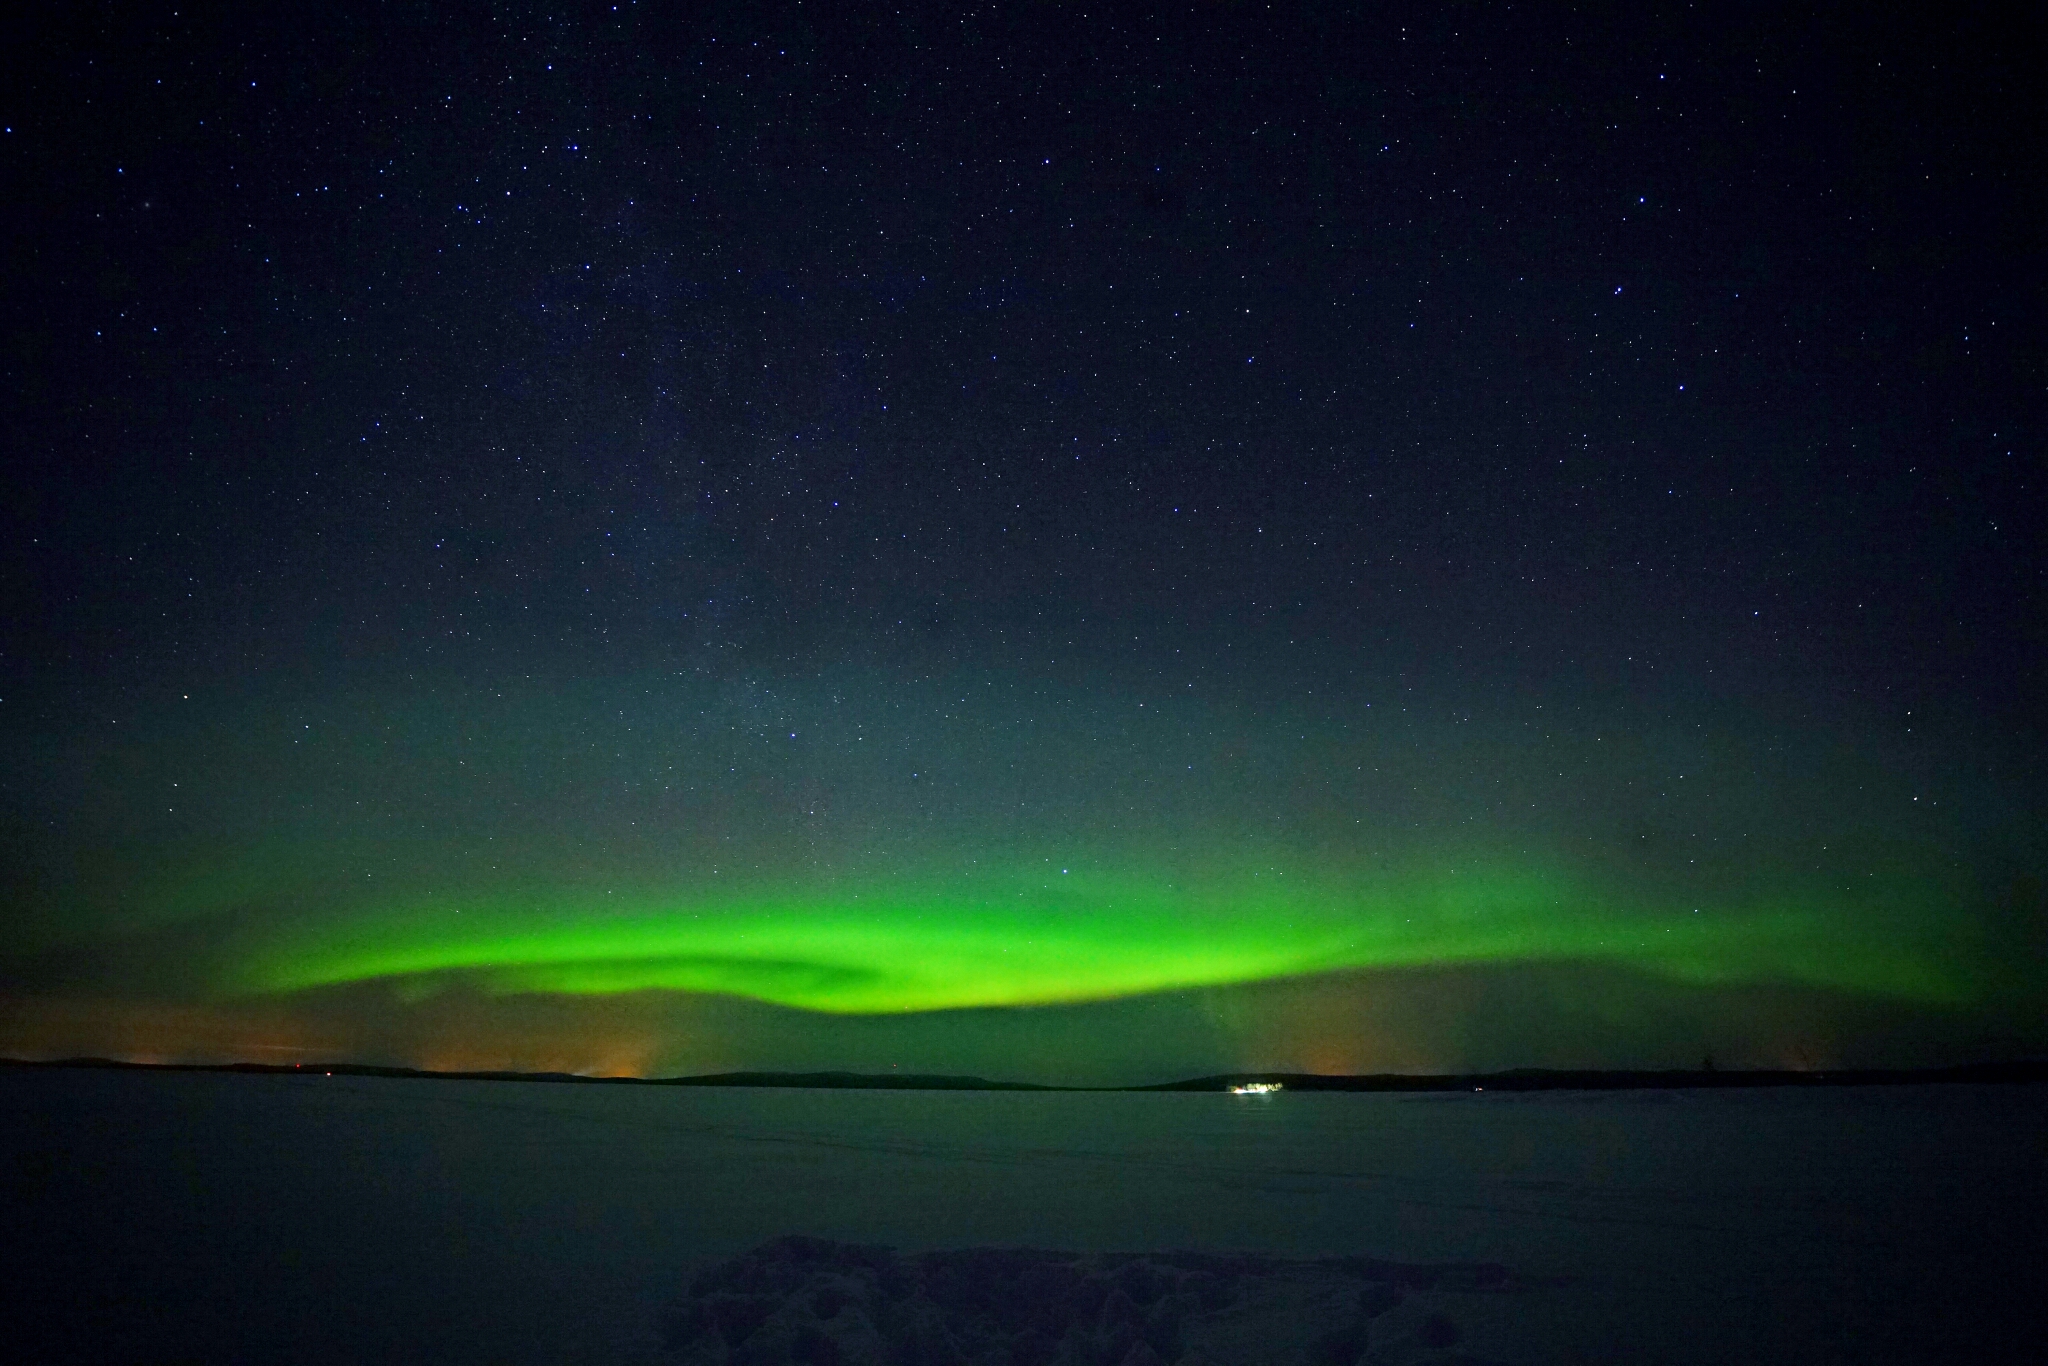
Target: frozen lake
<point>175,1217</point>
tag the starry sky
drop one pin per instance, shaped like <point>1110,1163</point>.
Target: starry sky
<point>1070,545</point>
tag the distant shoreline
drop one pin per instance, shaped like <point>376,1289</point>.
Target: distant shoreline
<point>1518,1079</point>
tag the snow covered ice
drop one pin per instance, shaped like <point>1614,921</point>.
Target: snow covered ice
<point>330,1219</point>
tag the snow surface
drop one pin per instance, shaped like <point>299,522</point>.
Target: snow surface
<point>172,1217</point>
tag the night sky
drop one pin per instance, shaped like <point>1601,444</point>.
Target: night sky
<point>1087,545</point>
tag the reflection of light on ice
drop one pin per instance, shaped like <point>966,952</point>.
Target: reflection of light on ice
<point>1255,1088</point>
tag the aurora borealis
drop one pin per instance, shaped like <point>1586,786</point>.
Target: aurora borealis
<point>618,544</point>
<point>1029,941</point>
<point>874,843</point>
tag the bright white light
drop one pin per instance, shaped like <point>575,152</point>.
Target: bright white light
<point>1255,1088</point>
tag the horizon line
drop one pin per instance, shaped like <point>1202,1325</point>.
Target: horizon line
<point>2030,1070</point>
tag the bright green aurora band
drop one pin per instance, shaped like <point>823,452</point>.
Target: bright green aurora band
<point>862,843</point>
<point>1058,936</point>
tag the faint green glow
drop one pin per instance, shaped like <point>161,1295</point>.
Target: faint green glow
<point>1038,936</point>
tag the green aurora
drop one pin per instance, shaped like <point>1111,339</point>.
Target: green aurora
<point>1038,937</point>
<point>740,875</point>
